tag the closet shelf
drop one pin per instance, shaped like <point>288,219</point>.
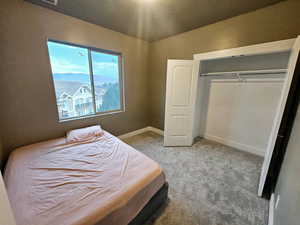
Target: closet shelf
<point>247,72</point>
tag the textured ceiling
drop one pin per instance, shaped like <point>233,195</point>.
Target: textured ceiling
<point>155,19</point>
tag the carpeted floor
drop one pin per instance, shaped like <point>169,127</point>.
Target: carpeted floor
<point>210,184</point>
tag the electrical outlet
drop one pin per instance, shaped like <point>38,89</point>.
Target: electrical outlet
<point>277,201</point>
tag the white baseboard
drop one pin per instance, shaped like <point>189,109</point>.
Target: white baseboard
<point>240,146</point>
<point>140,131</point>
<point>271,210</point>
<point>156,130</point>
<point>237,145</point>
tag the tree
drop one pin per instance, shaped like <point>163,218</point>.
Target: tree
<point>111,98</point>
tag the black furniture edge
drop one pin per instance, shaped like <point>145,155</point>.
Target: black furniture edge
<point>152,208</point>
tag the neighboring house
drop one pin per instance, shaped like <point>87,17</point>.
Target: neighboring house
<point>76,99</point>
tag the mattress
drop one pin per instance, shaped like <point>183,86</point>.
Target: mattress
<point>102,181</point>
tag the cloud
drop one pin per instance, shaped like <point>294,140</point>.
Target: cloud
<point>106,69</point>
<point>65,66</point>
<point>105,65</point>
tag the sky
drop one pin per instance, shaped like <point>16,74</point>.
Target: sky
<point>70,59</point>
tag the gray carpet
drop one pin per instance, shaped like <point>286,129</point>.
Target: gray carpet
<point>210,184</point>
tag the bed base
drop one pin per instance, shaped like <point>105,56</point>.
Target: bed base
<point>152,209</point>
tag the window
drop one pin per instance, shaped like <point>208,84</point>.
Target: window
<point>87,81</point>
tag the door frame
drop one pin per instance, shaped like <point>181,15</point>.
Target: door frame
<point>284,133</point>
<point>265,48</point>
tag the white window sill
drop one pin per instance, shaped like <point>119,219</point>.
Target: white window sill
<point>90,116</point>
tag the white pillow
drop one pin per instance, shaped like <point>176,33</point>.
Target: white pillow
<point>84,134</point>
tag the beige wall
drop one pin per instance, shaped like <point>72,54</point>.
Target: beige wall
<point>277,22</point>
<point>28,108</point>
<point>288,186</point>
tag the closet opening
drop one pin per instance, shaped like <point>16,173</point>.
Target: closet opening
<point>237,97</point>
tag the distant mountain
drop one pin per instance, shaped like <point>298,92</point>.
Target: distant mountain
<point>83,78</point>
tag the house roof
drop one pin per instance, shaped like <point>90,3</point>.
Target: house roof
<point>70,87</point>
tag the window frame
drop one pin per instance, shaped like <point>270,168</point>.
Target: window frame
<point>91,49</point>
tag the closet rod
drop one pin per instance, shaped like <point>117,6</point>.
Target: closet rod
<point>250,72</point>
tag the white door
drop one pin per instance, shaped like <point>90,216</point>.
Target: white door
<point>182,79</point>
<point>279,114</point>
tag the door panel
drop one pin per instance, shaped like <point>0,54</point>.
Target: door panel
<point>180,127</point>
<point>182,77</point>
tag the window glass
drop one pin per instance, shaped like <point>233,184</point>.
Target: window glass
<point>70,71</point>
<point>77,94</point>
<point>106,81</point>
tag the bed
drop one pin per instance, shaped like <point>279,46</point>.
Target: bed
<point>99,181</point>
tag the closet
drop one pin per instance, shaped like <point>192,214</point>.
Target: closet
<point>235,96</point>
<point>240,96</point>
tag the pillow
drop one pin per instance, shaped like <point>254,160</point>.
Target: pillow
<point>84,134</point>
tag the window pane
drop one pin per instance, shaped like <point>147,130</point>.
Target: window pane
<point>106,81</point>
<point>70,70</point>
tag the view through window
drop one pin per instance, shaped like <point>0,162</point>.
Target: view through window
<point>87,81</point>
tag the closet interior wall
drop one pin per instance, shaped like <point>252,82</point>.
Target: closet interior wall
<point>239,112</point>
